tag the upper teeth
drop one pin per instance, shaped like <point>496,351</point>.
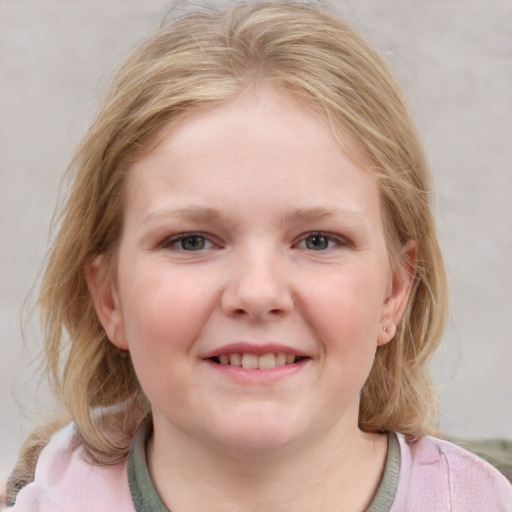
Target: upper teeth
<point>253,361</point>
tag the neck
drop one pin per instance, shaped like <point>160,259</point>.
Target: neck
<point>339,471</point>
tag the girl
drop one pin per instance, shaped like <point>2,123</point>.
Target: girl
<point>246,288</point>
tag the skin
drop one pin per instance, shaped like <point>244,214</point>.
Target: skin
<point>291,250</point>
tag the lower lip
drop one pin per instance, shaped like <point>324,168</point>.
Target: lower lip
<point>256,375</point>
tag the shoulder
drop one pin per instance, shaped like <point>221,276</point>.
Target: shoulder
<point>439,476</point>
<point>65,480</point>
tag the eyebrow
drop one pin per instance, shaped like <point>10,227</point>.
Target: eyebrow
<point>315,214</point>
<point>212,215</point>
<point>192,214</point>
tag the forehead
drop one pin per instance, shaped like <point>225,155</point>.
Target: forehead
<point>264,146</point>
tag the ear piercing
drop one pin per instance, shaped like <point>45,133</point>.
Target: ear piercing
<point>386,330</point>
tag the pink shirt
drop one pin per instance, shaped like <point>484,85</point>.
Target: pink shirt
<point>434,476</point>
<point>437,476</point>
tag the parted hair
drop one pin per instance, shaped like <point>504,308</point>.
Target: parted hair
<point>198,60</point>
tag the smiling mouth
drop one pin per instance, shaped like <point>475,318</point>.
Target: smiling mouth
<point>253,361</point>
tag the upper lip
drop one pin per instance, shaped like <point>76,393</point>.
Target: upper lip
<point>253,348</point>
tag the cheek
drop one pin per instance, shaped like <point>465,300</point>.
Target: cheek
<point>162,310</point>
<point>343,315</point>
<point>345,310</point>
<point>161,326</point>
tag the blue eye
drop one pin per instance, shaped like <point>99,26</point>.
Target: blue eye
<point>193,243</point>
<point>319,242</point>
<point>188,242</point>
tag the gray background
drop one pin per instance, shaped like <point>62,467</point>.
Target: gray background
<point>454,58</point>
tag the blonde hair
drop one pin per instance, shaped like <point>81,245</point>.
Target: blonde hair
<point>202,59</point>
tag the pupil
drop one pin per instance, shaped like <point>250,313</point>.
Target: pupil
<point>317,242</point>
<point>192,243</point>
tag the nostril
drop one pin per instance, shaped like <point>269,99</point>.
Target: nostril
<point>255,303</point>
<point>252,314</point>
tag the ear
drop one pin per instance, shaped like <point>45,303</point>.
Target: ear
<point>402,280</point>
<point>105,301</point>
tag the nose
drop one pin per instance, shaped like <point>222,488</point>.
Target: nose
<point>257,289</point>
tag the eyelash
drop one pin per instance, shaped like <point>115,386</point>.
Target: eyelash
<point>170,243</point>
<point>337,240</point>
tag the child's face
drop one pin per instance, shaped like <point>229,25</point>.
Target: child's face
<point>249,234</point>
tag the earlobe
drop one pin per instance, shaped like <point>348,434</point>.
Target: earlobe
<point>400,289</point>
<point>105,301</point>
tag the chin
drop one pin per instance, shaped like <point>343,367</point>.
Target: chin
<point>255,436</point>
